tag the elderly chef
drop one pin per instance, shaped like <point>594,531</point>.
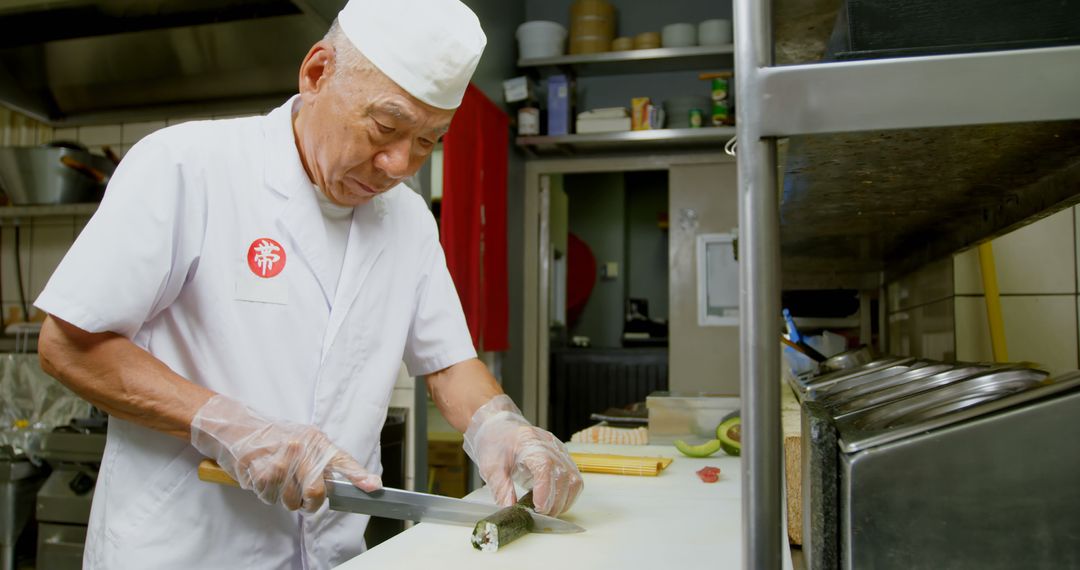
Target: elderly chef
<point>247,292</point>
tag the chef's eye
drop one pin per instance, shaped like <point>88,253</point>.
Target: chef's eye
<point>384,129</point>
<point>427,143</point>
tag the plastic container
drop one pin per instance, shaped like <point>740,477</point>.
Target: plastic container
<point>541,38</point>
<point>690,417</point>
<point>714,32</point>
<point>678,35</point>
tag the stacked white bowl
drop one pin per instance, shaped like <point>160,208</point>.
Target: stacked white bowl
<point>541,38</point>
<point>714,32</point>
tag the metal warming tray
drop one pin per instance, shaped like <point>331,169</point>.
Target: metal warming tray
<point>978,474</point>
<point>862,369</point>
<point>883,394</point>
<point>872,372</point>
<point>907,416</point>
<point>846,390</point>
<point>923,398</point>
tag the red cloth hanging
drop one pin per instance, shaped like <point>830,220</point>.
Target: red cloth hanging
<point>473,224</point>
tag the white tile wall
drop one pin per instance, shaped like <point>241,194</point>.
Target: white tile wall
<point>66,134</point>
<point>17,130</point>
<point>1038,328</point>
<point>50,239</point>
<point>1038,268</point>
<point>1036,259</point>
<point>180,120</point>
<point>132,133</point>
<point>972,330</point>
<point>926,331</point>
<point>926,285</point>
<point>99,135</point>
<point>45,241</point>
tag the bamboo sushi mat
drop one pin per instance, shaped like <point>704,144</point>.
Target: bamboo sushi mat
<point>620,464</point>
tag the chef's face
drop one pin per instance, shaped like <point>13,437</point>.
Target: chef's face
<point>358,132</point>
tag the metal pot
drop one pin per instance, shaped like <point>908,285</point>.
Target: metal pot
<point>848,359</point>
<point>53,174</point>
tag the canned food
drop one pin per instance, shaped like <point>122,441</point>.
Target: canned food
<point>695,118</point>
<point>721,114</point>
<point>719,89</point>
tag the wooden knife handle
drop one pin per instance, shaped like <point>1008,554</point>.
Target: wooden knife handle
<point>211,472</point>
<point>98,176</point>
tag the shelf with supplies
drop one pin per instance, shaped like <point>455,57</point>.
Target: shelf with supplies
<point>657,60</point>
<point>666,139</point>
<point>12,214</point>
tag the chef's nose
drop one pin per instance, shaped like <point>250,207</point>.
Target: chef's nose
<point>393,160</point>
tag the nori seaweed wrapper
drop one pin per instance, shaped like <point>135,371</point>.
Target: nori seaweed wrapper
<point>505,526</point>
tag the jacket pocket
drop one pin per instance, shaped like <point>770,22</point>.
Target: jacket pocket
<point>149,500</point>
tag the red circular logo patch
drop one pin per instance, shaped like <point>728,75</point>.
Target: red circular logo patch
<point>266,257</point>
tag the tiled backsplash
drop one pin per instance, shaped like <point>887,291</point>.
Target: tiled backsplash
<point>45,240</point>
<point>1037,273</point>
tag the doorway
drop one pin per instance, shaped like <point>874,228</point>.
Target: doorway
<point>704,177</point>
<point>608,307</point>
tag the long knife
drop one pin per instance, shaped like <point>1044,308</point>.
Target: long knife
<point>404,505</point>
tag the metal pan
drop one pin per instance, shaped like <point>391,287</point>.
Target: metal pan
<point>992,391</point>
<point>842,392</point>
<point>884,395</point>
<point>826,379</point>
<point>848,359</point>
<point>815,390</point>
<point>954,397</point>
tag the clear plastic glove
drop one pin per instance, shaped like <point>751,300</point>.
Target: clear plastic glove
<point>279,461</point>
<point>508,449</point>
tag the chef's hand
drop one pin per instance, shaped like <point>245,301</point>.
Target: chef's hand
<point>279,461</point>
<point>508,449</point>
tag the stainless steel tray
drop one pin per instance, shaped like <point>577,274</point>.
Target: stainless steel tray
<point>885,394</point>
<point>846,390</point>
<point>865,368</point>
<point>973,396</point>
<point>819,386</point>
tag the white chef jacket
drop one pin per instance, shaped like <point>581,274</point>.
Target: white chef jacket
<point>169,262</point>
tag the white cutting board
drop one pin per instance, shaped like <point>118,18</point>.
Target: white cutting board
<point>673,520</point>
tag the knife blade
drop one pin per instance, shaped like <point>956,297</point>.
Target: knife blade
<point>404,505</point>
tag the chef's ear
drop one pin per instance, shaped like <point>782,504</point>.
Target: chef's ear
<point>316,69</point>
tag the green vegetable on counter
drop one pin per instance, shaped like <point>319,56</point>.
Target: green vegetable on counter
<point>729,436</point>
<point>505,526</point>
<point>704,450</point>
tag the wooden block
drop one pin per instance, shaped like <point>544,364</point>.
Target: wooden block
<point>791,425</point>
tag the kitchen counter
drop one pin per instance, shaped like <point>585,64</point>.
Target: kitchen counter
<point>670,521</point>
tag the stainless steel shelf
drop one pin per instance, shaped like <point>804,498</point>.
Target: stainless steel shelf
<point>40,211</point>
<point>916,92</point>
<point>659,139</point>
<point>891,201</point>
<point>891,163</point>
<point>808,323</point>
<point>700,58</point>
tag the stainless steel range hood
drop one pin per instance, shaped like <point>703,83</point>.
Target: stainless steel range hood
<point>70,62</point>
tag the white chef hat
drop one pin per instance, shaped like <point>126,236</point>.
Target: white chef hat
<point>428,47</point>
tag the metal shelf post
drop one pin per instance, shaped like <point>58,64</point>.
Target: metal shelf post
<point>759,284</point>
